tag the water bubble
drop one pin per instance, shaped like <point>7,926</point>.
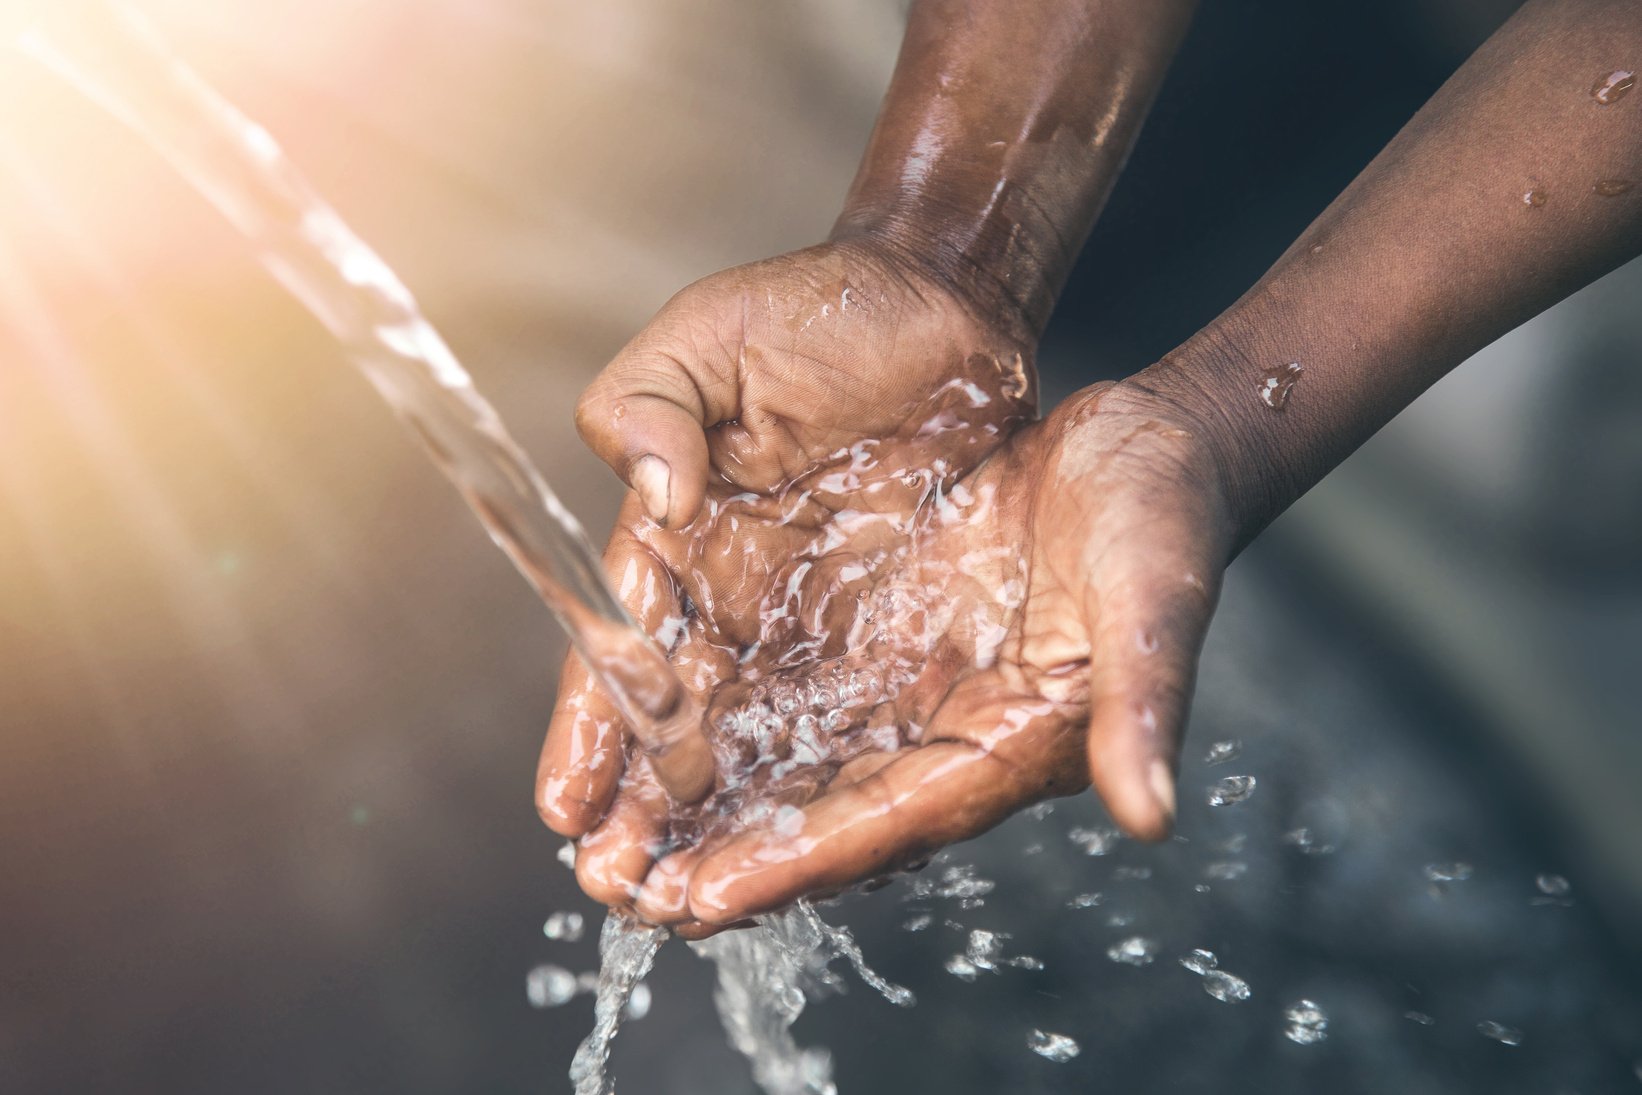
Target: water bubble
<point>1419,1017</point>
<point>1095,841</point>
<point>1611,188</point>
<point>1231,790</point>
<point>567,854</point>
<point>1131,874</point>
<point>1448,872</point>
<point>1306,842</point>
<point>566,927</point>
<point>1085,901</point>
<point>1039,811</point>
<point>918,922</point>
<point>638,1004</point>
<point>1228,988</point>
<point>1055,1047</point>
<point>1534,197</point>
<point>1305,1023</point>
<point>1499,1032</point>
<point>1137,950</point>
<point>1221,751</point>
<point>961,968</point>
<point>1119,919</point>
<point>1026,962</point>
<point>1553,885</point>
<point>549,986</point>
<point>1200,961</point>
<point>1277,383</point>
<point>1226,871</point>
<point>1610,88</point>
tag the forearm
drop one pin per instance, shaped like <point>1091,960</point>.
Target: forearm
<point>1513,187</point>
<point>1004,127</point>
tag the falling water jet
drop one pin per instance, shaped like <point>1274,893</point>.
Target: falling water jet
<point>117,61</point>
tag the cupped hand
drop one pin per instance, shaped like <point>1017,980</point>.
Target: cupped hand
<point>829,389</point>
<point>1040,627</point>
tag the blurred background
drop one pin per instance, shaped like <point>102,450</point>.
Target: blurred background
<point>270,703</point>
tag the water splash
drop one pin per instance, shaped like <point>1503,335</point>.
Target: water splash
<point>766,975</point>
<point>627,949</point>
<point>114,58</point>
<point>1499,1032</point>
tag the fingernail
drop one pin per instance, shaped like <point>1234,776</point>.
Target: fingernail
<point>651,477</point>
<point>1162,781</point>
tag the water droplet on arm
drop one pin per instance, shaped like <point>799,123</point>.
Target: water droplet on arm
<point>1611,88</point>
<point>1277,383</point>
<point>1535,197</point>
<point>1611,188</point>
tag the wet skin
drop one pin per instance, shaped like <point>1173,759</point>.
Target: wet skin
<point>1105,509</point>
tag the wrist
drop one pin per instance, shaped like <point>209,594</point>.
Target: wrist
<point>940,242</point>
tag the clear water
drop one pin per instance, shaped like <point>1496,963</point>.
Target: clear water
<point>109,54</point>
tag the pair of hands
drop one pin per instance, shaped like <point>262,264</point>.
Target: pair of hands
<point>907,609</point>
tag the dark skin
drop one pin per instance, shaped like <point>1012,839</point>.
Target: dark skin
<point>1504,194</point>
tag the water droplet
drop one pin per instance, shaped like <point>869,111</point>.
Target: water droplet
<point>1026,962</point>
<point>1231,790</point>
<point>567,854</point>
<point>1228,988</point>
<point>961,968</point>
<point>1095,841</point>
<point>566,927</point>
<point>985,949</point>
<point>1131,874</point>
<point>1055,1047</point>
<point>1611,88</point>
<point>1137,950</point>
<point>1085,901</point>
<point>1305,1023</point>
<point>1032,849</point>
<point>1119,919</point>
<point>1534,197</point>
<point>1448,872</point>
<point>1039,811</point>
<point>1419,1017</point>
<point>1306,842</point>
<point>1222,751</point>
<point>1200,961</point>
<point>1277,383</point>
<point>638,1005</point>
<point>1226,871</point>
<point>918,923</point>
<point>1553,885</point>
<point>1499,1032</point>
<point>1612,188</point>
<point>549,986</point>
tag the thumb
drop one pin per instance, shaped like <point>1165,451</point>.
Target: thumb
<point>1146,632</point>
<point>645,415</point>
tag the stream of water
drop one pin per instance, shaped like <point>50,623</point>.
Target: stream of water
<point>110,54</point>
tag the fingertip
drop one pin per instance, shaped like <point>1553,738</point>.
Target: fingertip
<point>569,817</point>
<point>1137,788</point>
<point>651,478</point>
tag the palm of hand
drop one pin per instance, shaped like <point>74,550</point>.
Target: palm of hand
<point>954,683</point>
